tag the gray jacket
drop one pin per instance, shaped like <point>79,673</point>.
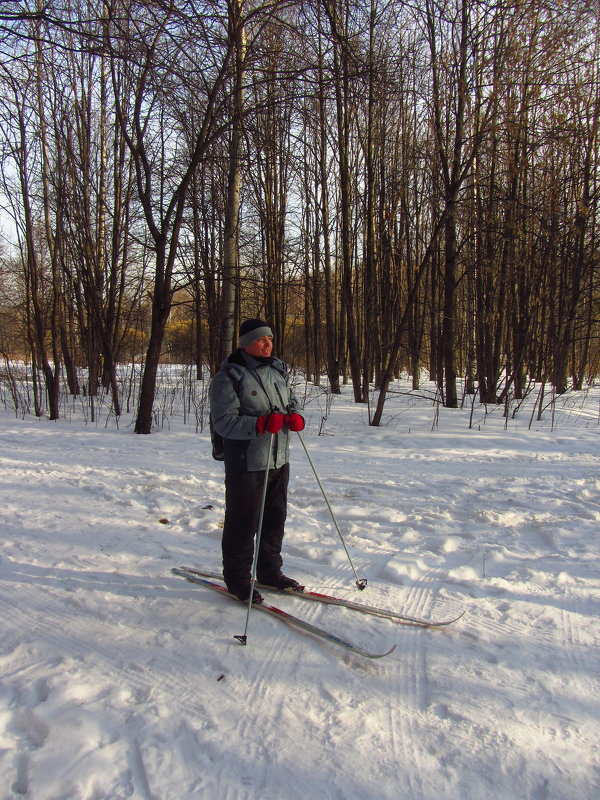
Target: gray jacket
<point>242,390</point>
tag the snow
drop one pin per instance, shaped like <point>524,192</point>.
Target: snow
<point>122,680</point>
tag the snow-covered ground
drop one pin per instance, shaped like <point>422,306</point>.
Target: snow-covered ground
<point>119,679</point>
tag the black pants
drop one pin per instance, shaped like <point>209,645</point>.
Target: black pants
<point>243,495</point>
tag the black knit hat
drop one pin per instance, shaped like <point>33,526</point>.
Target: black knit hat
<point>253,329</point>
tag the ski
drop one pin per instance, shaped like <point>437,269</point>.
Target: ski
<point>305,594</point>
<point>196,577</point>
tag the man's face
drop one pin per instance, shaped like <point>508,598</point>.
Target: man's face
<point>261,348</point>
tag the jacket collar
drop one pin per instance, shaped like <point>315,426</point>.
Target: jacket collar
<point>242,358</point>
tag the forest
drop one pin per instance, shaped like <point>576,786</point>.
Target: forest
<point>397,187</point>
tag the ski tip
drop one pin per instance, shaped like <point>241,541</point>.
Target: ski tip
<point>368,654</point>
<point>446,622</point>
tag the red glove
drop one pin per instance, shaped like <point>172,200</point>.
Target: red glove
<point>270,423</point>
<point>294,422</point>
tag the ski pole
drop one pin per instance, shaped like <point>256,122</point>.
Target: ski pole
<point>242,638</point>
<point>360,582</point>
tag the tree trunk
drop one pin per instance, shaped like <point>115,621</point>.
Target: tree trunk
<point>234,182</point>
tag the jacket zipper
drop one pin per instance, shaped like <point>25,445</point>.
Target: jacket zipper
<point>272,408</point>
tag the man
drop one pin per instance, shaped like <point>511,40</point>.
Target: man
<point>252,406</point>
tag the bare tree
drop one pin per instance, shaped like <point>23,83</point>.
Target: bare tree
<point>172,60</point>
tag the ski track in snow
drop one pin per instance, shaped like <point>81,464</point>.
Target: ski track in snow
<point>119,679</point>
